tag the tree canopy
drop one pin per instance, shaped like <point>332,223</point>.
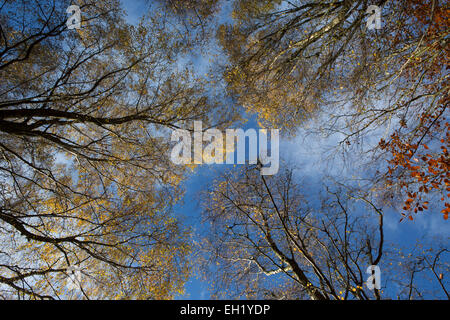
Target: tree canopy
<point>87,182</point>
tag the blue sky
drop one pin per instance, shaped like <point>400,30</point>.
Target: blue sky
<point>308,155</point>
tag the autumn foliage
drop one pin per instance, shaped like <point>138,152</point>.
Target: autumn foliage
<point>420,161</point>
<point>417,170</point>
